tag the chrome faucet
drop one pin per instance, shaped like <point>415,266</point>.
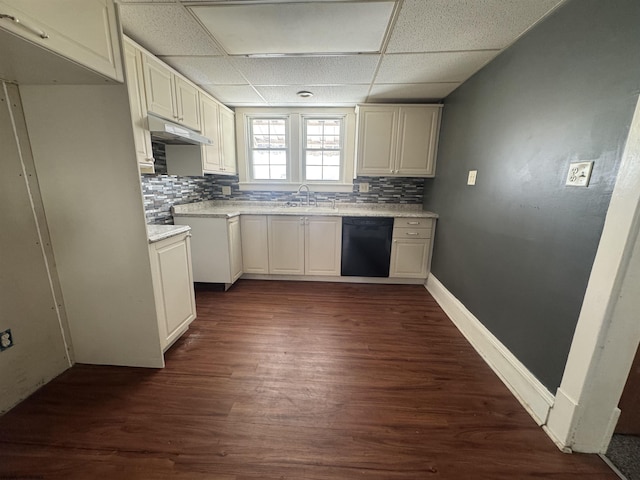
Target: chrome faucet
<point>304,185</point>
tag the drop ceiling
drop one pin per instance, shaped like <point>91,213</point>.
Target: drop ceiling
<point>261,52</point>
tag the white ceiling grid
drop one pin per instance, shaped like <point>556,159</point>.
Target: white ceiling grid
<point>430,47</point>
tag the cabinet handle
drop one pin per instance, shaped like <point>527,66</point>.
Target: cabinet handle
<point>41,33</point>
<point>413,223</point>
<point>413,233</point>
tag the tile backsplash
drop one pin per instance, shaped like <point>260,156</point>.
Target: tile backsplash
<point>162,191</point>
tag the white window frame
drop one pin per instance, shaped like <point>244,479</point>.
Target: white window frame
<point>295,170</point>
<point>287,149</point>
<point>304,148</point>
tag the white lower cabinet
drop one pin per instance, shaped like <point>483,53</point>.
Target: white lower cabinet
<point>304,245</point>
<point>173,286</point>
<point>323,245</point>
<point>255,244</point>
<point>217,248</point>
<point>411,248</point>
<point>286,244</point>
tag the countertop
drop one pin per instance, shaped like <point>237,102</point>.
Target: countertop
<point>155,233</point>
<point>229,209</point>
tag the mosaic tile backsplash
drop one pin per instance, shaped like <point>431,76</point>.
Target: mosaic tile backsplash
<point>162,191</point>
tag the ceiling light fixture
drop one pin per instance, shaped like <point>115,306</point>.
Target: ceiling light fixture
<point>304,94</point>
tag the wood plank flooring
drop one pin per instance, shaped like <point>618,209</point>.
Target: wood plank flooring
<point>291,380</point>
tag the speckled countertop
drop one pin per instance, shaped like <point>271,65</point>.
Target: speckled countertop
<point>155,233</point>
<point>228,209</point>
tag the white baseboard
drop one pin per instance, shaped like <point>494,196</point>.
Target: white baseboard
<point>534,396</point>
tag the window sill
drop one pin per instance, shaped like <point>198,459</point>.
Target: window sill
<point>292,187</point>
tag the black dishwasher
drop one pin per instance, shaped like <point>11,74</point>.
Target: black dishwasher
<point>366,246</point>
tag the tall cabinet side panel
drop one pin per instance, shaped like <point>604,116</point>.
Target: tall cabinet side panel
<point>84,155</point>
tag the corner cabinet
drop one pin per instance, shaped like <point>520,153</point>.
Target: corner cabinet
<point>173,286</point>
<point>84,31</point>
<point>397,140</point>
<point>217,248</point>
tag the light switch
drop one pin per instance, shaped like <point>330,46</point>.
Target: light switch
<point>364,187</point>
<point>579,174</point>
<point>471,179</point>
<point>226,190</point>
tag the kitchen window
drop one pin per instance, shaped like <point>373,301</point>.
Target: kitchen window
<point>281,148</point>
<point>269,148</point>
<point>322,149</point>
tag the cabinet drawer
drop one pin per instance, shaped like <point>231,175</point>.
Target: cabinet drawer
<point>412,232</point>
<point>412,223</point>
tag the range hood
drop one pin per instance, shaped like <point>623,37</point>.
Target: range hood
<point>164,131</point>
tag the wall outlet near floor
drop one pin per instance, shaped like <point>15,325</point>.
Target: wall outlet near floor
<point>579,174</point>
<point>226,190</point>
<point>471,179</point>
<point>364,187</point>
<point>6,340</point>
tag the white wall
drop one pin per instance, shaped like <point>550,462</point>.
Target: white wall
<point>30,300</point>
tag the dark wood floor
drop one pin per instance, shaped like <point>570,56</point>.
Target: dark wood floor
<point>283,380</point>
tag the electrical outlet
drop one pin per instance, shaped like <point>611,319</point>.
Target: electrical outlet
<point>471,179</point>
<point>6,340</point>
<point>364,187</point>
<point>579,174</point>
<point>226,190</point>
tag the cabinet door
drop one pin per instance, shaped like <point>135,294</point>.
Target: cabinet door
<point>173,288</point>
<point>228,141</point>
<point>323,245</point>
<point>137,101</point>
<point>209,121</point>
<point>286,244</point>
<point>409,258</point>
<point>187,104</point>
<point>377,138</point>
<point>235,248</point>
<point>255,248</point>
<point>85,31</point>
<point>417,140</point>
<point>158,82</point>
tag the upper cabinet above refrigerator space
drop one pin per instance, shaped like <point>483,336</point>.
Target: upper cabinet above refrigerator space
<point>82,33</point>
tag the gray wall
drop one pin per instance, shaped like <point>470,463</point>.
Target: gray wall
<point>517,248</point>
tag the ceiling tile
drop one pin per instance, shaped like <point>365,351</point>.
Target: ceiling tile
<point>448,25</point>
<point>312,27</point>
<point>166,29</point>
<point>322,94</point>
<point>212,70</point>
<point>316,70</point>
<point>411,92</point>
<point>146,1</point>
<point>431,67</point>
<point>234,94</point>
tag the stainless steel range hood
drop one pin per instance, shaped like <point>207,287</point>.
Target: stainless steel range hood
<point>164,131</point>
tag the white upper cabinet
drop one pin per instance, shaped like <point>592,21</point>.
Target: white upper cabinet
<point>84,31</point>
<point>397,140</point>
<point>169,95</point>
<point>187,103</point>
<point>228,141</point>
<point>218,124</point>
<point>137,101</point>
